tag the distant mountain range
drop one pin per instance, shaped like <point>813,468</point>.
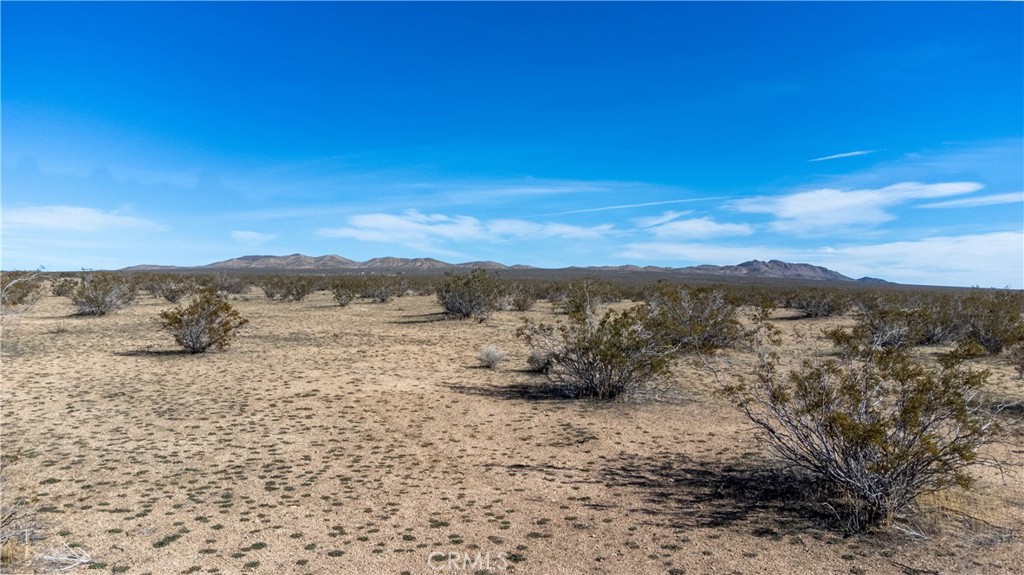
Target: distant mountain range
<point>773,269</point>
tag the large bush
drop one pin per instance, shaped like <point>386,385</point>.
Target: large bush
<point>19,288</point>
<point>472,295</point>
<point>343,293</point>
<point>872,424</point>
<point>226,283</point>
<point>517,296</point>
<point>99,293</point>
<point>285,288</point>
<point>171,288</point>
<point>819,302</point>
<point>208,321</point>
<point>382,288</point>
<point>695,320</point>
<point>583,297</point>
<point>993,319</point>
<point>601,359</point>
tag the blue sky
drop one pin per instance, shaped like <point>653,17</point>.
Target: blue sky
<point>872,138</point>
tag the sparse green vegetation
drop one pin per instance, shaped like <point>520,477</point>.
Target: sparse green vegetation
<point>602,358</point>
<point>873,424</point>
<point>208,321</point>
<point>473,295</point>
<point>100,293</point>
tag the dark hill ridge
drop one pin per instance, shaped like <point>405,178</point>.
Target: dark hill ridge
<point>776,269</point>
<point>773,269</point>
<point>294,261</point>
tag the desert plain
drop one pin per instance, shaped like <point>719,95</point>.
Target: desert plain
<point>368,439</point>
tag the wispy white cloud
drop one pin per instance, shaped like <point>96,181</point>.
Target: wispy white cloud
<point>988,260</point>
<point>416,229</point>
<point>705,227</point>
<point>522,229</point>
<point>651,221</point>
<point>695,253</point>
<point>250,238</point>
<point>73,219</point>
<point>643,205</point>
<point>486,192</point>
<point>990,200</point>
<point>996,163</point>
<point>829,209</point>
<point>843,155</point>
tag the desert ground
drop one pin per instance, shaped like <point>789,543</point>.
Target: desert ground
<point>368,439</point>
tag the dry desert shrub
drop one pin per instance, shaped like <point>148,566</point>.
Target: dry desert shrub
<point>582,298</point>
<point>100,293</point>
<point>19,288</point>
<point>614,356</point>
<point>63,286</point>
<point>1016,357</point>
<point>539,361</point>
<point>874,426</point>
<point>517,296</point>
<point>695,320</point>
<point>19,526</point>
<point>381,289</point>
<point>172,289</point>
<point>993,319</point>
<point>208,321</point>
<point>343,294</point>
<point>819,302</point>
<point>491,356</point>
<point>227,284</point>
<point>288,288</point>
<point>473,295</point>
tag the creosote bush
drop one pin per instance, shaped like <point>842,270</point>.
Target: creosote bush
<point>381,289</point>
<point>172,289</point>
<point>516,296</point>
<point>227,283</point>
<point>63,287</point>
<point>819,302</point>
<point>208,321</point>
<point>473,295</point>
<point>343,294</point>
<point>100,293</point>
<point>875,426</point>
<point>583,297</point>
<point>601,359</point>
<point>19,288</point>
<point>993,319</point>
<point>695,320</point>
<point>288,288</point>
<point>1016,357</point>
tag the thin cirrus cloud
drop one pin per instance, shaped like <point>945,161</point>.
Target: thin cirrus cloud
<point>251,238</point>
<point>990,200</point>
<point>669,226</point>
<point>643,205</point>
<point>73,219</point>
<point>414,228</point>
<point>828,208</point>
<point>843,155</point>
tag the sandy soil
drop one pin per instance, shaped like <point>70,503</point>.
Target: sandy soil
<point>367,439</point>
